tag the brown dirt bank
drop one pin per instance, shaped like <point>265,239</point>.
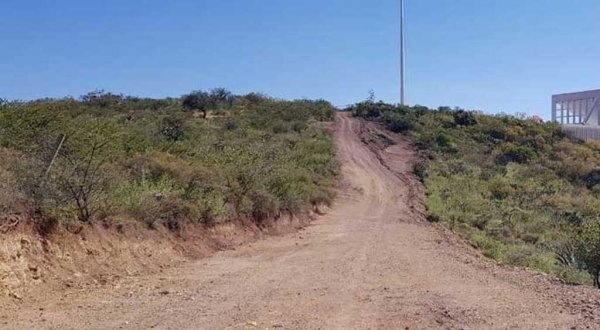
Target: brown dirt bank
<point>93,255</point>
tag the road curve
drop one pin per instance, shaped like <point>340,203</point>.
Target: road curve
<point>372,262</point>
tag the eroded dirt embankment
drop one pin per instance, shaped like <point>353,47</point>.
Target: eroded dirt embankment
<point>90,256</point>
<point>372,262</point>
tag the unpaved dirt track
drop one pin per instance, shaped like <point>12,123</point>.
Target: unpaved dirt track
<point>372,262</point>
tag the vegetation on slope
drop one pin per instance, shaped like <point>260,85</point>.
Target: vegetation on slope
<point>520,190</point>
<point>160,162</point>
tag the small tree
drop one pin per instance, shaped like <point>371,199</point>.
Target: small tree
<point>587,249</point>
<point>371,98</point>
<point>255,98</point>
<point>198,101</point>
<point>221,96</point>
<point>102,99</point>
<point>397,123</point>
<point>84,181</point>
<point>78,176</point>
<point>464,118</point>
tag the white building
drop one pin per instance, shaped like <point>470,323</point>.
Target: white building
<point>581,108</point>
<point>579,113</point>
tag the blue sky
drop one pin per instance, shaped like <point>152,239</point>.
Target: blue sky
<point>493,55</point>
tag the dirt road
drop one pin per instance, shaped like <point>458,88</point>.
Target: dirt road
<point>373,262</point>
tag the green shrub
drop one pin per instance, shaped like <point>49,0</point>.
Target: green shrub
<point>592,179</point>
<point>515,154</point>
<point>587,249</point>
<point>500,189</point>
<point>420,170</point>
<point>172,128</point>
<point>230,125</point>
<point>464,118</point>
<point>397,123</point>
<point>497,133</point>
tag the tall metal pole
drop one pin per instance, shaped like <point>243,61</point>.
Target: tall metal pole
<point>402,52</point>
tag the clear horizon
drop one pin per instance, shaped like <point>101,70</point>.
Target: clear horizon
<point>508,56</point>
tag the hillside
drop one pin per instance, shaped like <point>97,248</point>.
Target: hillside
<point>138,167</point>
<point>149,161</point>
<point>371,262</point>
<point>518,189</point>
<point>111,231</point>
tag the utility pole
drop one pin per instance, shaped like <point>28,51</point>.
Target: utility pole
<point>402,52</point>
